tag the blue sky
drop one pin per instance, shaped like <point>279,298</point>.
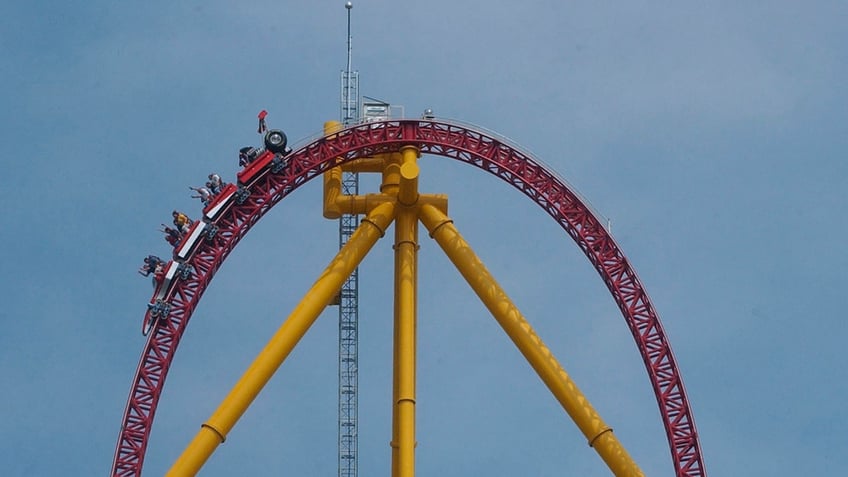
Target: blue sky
<point>712,136</point>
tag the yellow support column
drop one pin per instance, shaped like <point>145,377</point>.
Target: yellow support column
<point>215,430</point>
<point>405,341</point>
<point>599,435</point>
<point>332,179</point>
<point>391,173</point>
<point>406,285</point>
<point>408,181</point>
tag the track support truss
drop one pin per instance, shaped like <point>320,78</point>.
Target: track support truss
<point>461,142</point>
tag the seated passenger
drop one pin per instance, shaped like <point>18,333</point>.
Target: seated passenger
<point>172,236</point>
<point>215,184</point>
<point>158,275</point>
<point>152,264</point>
<point>204,194</point>
<point>247,155</point>
<point>182,221</point>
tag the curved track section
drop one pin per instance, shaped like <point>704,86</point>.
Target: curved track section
<point>464,143</point>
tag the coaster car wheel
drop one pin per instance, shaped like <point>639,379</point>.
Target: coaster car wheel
<point>275,141</point>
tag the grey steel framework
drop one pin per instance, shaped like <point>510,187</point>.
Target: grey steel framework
<point>349,294</point>
<point>348,346</point>
<point>349,306</point>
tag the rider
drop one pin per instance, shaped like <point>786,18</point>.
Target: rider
<point>215,184</point>
<point>152,264</point>
<point>246,155</point>
<point>204,194</point>
<point>182,221</point>
<point>172,236</point>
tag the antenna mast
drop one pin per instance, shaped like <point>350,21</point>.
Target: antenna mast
<point>349,294</point>
<point>350,82</point>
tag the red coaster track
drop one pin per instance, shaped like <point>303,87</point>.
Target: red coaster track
<point>461,142</point>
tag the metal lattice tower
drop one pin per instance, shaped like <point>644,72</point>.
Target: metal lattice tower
<point>349,294</point>
<point>348,347</point>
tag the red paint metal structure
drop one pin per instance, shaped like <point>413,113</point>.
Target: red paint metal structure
<point>458,141</point>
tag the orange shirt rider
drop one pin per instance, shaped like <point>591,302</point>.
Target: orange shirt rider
<point>181,220</point>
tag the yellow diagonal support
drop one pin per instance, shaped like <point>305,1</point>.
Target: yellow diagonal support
<point>215,430</point>
<point>598,434</point>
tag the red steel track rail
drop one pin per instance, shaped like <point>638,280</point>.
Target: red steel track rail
<point>465,143</point>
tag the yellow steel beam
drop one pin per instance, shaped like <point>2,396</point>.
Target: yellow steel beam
<point>215,430</point>
<point>332,180</point>
<point>362,204</point>
<point>391,173</point>
<point>599,435</point>
<point>365,164</point>
<point>406,253</point>
<point>408,187</point>
<point>335,202</point>
<point>406,235</point>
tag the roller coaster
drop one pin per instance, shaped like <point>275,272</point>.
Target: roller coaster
<point>391,147</point>
<point>256,162</point>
